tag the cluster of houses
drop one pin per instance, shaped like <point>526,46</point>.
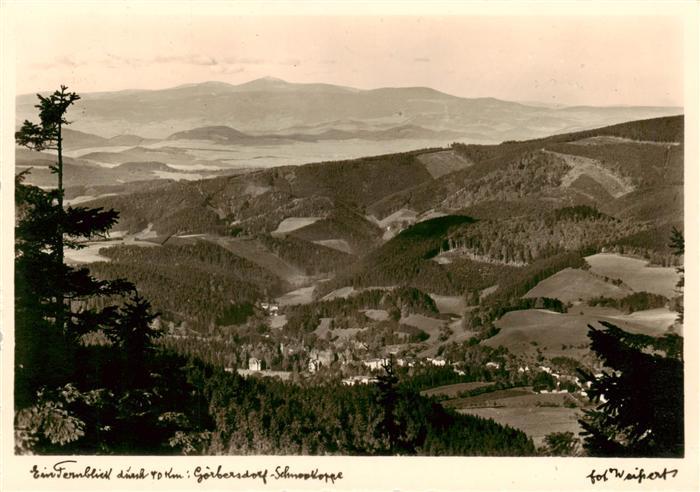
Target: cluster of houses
<point>324,358</point>
<point>270,308</point>
<point>318,359</point>
<point>353,380</point>
<point>379,363</point>
<point>563,378</point>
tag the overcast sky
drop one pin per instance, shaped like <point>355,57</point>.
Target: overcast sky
<point>565,60</point>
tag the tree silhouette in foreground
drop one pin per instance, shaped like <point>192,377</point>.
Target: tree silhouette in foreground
<point>54,302</point>
<point>87,376</point>
<point>677,244</point>
<point>639,396</point>
<point>48,135</point>
<point>388,398</point>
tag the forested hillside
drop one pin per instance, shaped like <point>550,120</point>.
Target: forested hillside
<point>406,260</point>
<point>579,168</point>
<point>267,417</point>
<point>521,240</point>
<point>201,283</point>
<point>258,201</point>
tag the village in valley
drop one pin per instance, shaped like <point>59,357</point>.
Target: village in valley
<point>490,382</point>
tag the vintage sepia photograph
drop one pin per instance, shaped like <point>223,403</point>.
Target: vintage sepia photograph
<point>241,232</point>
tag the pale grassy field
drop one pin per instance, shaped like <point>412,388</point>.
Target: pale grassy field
<point>452,390</point>
<point>377,314</point>
<point>86,198</point>
<point>636,273</point>
<point>657,320</point>
<point>342,293</point>
<point>498,398</point>
<point>556,334</point>
<point>450,304</point>
<point>91,252</point>
<point>339,244</point>
<point>303,295</point>
<point>292,224</point>
<point>445,162</point>
<point>345,292</point>
<point>571,285</point>
<point>536,422</point>
<point>429,325</point>
<point>535,414</point>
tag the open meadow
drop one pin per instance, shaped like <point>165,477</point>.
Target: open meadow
<point>636,273</point>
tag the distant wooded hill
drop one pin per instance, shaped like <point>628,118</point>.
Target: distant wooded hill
<point>231,136</point>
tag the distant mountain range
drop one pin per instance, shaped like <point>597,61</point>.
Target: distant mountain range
<point>322,111</point>
<point>74,139</point>
<point>230,136</point>
<point>227,136</point>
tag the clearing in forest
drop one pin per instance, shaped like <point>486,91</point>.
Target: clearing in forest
<point>636,273</point>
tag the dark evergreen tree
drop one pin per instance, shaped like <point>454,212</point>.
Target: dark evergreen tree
<point>388,397</point>
<point>678,246</point>
<point>52,299</point>
<point>132,333</point>
<point>84,360</point>
<point>639,397</point>
<point>561,444</point>
<point>48,135</point>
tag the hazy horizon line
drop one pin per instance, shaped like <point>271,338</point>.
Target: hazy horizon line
<point>271,78</point>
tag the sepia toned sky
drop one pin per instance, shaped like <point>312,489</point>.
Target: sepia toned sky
<point>569,60</point>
